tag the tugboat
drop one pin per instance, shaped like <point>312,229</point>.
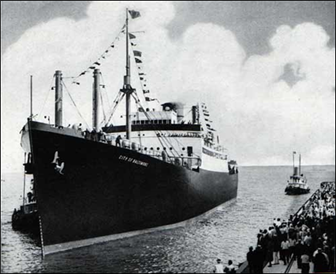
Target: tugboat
<point>25,218</point>
<point>297,183</point>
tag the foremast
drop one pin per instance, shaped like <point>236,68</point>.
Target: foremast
<point>127,88</point>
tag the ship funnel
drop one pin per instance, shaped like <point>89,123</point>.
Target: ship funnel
<point>296,171</point>
<point>58,98</point>
<point>95,98</point>
<point>179,108</point>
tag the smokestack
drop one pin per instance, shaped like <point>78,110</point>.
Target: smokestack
<point>58,98</point>
<point>95,98</point>
<point>194,115</point>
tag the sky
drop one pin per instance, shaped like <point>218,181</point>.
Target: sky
<point>265,69</point>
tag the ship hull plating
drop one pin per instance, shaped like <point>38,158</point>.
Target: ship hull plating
<point>105,190</point>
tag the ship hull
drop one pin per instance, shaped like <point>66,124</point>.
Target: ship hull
<point>107,190</point>
<point>296,190</point>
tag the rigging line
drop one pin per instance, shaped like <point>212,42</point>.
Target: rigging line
<point>137,113</point>
<point>138,70</point>
<point>115,103</point>
<point>160,140</point>
<point>49,91</point>
<point>175,138</point>
<point>147,116</point>
<point>74,103</point>
<point>101,98</point>
<point>118,99</point>
<point>108,101</point>
<point>101,55</point>
<point>164,138</point>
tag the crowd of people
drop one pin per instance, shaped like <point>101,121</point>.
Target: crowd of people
<point>308,237</point>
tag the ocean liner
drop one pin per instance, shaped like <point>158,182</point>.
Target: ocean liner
<point>161,169</point>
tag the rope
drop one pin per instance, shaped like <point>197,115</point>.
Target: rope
<point>74,104</point>
<point>102,56</point>
<point>116,101</point>
<point>101,98</point>
<point>45,101</point>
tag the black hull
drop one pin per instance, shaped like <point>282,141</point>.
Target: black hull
<point>26,222</point>
<point>296,191</point>
<point>103,192</point>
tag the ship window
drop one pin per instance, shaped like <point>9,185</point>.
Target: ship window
<point>158,148</point>
<point>151,148</point>
<point>145,148</point>
<point>183,148</point>
<point>139,134</point>
<point>160,121</point>
<point>164,148</point>
<point>143,134</point>
<point>171,148</point>
<point>142,122</point>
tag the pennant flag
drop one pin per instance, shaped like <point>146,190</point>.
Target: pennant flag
<point>106,51</point>
<point>137,53</point>
<point>131,36</point>
<point>149,99</point>
<point>133,44</point>
<point>93,67</point>
<point>96,63</point>
<point>112,46</point>
<point>145,91</point>
<point>141,73</point>
<point>134,14</point>
<point>137,60</point>
<point>77,83</point>
<point>82,73</point>
<point>294,152</point>
<point>103,57</point>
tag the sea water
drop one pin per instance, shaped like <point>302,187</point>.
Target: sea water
<point>226,234</point>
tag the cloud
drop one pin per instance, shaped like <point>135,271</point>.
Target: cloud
<point>259,115</point>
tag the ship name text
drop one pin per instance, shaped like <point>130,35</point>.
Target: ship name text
<point>132,160</point>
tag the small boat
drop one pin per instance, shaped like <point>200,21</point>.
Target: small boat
<point>298,182</point>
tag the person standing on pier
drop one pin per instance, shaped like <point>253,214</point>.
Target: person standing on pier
<point>270,249</point>
<point>250,256</point>
<point>305,262</point>
<point>258,260</point>
<point>285,251</point>
<point>219,268</point>
<point>230,268</point>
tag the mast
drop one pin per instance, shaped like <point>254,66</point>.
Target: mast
<point>127,89</point>
<point>31,96</point>
<point>24,181</point>
<point>58,98</point>
<point>293,164</point>
<point>300,164</point>
<point>95,99</point>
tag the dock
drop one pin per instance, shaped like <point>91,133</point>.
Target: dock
<point>312,230</point>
